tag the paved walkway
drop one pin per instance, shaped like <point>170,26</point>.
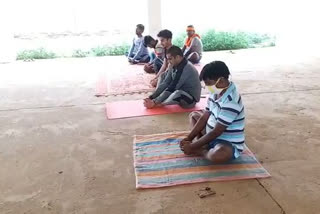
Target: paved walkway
<point>59,154</point>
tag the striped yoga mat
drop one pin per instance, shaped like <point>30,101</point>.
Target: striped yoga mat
<point>159,162</point>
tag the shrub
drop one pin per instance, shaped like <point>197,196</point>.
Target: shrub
<point>179,40</point>
<point>99,51</point>
<point>39,53</point>
<point>213,40</point>
<point>114,50</point>
<point>220,40</point>
<point>117,50</point>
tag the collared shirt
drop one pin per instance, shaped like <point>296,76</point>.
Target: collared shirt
<point>228,110</point>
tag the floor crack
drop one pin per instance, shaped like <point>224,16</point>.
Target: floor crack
<point>265,189</point>
<point>52,107</point>
<point>117,133</point>
<point>281,91</point>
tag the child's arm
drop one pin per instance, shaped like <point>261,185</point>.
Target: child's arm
<point>216,132</point>
<point>200,125</point>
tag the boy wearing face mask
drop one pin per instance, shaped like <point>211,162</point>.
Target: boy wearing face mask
<point>218,133</point>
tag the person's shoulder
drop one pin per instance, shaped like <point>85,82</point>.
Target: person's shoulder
<point>231,106</point>
<point>191,66</point>
<point>232,101</point>
<point>188,66</point>
<point>196,38</point>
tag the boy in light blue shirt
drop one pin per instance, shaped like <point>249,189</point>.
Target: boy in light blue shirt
<point>218,132</point>
<point>138,52</point>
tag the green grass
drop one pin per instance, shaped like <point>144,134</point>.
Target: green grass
<point>212,41</point>
<point>40,53</point>
<point>114,50</point>
<point>221,40</point>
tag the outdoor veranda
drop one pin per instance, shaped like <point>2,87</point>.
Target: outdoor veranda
<point>60,154</point>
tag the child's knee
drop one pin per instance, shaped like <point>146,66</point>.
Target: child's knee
<point>193,116</point>
<point>220,155</point>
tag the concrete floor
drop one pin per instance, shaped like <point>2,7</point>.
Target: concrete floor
<point>59,154</point>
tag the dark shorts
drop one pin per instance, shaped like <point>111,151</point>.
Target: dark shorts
<point>235,152</point>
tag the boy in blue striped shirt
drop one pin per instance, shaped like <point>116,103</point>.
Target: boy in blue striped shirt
<point>218,132</point>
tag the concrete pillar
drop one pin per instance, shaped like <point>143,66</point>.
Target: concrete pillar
<point>154,17</point>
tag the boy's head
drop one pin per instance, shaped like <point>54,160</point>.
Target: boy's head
<point>190,31</point>
<point>174,55</point>
<point>139,29</point>
<point>165,37</point>
<point>215,73</point>
<point>149,42</point>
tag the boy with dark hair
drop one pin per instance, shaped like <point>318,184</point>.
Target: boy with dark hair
<point>218,133</point>
<point>138,52</point>
<point>181,84</point>
<point>155,65</point>
<point>193,47</point>
<point>165,37</point>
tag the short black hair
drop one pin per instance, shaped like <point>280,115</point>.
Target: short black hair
<point>214,70</point>
<point>147,40</point>
<point>190,26</point>
<point>140,26</point>
<point>167,34</point>
<point>175,51</point>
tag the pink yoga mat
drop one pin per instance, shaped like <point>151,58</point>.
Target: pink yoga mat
<point>135,108</point>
